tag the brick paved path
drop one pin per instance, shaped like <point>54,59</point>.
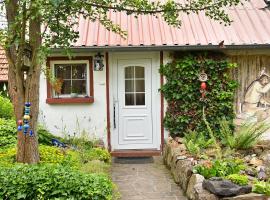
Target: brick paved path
<point>146,181</point>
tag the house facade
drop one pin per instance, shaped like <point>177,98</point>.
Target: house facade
<point>110,88</point>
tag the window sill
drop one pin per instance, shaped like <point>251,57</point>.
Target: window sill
<point>77,100</point>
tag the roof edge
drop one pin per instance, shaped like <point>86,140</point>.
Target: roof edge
<point>165,47</point>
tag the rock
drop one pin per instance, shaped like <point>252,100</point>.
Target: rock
<point>247,158</point>
<point>255,161</point>
<point>181,158</point>
<point>195,190</point>
<point>183,172</point>
<point>250,172</point>
<point>261,173</point>
<point>224,188</point>
<point>250,196</point>
<point>179,140</point>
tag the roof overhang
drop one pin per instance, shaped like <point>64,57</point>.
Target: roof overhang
<point>84,49</point>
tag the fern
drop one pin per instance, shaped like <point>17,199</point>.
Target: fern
<point>245,137</point>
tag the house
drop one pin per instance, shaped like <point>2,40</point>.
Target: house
<point>3,71</point>
<point>109,90</point>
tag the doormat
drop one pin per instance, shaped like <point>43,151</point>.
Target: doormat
<point>133,160</point>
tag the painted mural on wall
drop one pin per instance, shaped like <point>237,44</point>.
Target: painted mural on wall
<point>256,104</point>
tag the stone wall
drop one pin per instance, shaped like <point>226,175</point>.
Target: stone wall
<point>181,168</point>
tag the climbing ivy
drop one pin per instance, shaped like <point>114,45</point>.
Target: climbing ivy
<point>182,92</point>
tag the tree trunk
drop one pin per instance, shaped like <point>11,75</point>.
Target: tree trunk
<point>24,85</point>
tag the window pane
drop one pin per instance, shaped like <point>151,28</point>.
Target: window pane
<point>79,71</point>
<point>62,71</point>
<point>140,86</point>
<point>129,86</point>
<point>129,72</point>
<point>139,72</point>
<point>140,99</point>
<point>66,87</point>
<point>129,99</point>
<point>78,86</point>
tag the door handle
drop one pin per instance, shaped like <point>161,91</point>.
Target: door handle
<point>114,113</point>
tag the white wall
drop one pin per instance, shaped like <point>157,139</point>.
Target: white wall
<point>63,119</point>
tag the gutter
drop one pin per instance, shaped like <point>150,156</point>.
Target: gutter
<point>83,49</point>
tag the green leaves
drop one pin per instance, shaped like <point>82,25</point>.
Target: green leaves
<point>53,182</point>
<point>182,92</point>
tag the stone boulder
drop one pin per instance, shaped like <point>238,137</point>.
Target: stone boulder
<point>195,190</point>
<point>224,188</point>
<point>250,196</point>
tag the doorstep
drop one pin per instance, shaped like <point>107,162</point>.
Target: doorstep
<point>135,153</point>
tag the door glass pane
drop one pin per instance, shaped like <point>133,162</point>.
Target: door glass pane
<point>140,86</point>
<point>140,99</point>
<point>139,72</point>
<point>129,72</point>
<point>129,85</point>
<point>129,99</point>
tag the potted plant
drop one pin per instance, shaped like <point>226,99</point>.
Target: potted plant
<point>74,93</point>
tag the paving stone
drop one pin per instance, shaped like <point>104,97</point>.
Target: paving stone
<point>145,181</point>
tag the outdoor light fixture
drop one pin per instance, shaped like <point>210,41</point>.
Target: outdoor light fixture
<point>98,62</point>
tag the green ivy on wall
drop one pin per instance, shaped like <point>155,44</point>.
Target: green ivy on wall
<point>182,92</point>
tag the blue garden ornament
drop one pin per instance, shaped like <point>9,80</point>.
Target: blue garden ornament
<point>23,125</point>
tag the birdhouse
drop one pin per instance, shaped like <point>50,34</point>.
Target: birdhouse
<point>27,57</point>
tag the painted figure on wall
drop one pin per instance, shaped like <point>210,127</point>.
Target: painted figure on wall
<point>256,105</point>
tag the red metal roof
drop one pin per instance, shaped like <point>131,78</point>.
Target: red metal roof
<point>3,65</point>
<point>251,26</point>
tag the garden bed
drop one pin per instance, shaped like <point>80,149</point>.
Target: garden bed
<point>182,164</point>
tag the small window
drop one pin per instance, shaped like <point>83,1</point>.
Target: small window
<point>74,80</point>
<point>134,86</point>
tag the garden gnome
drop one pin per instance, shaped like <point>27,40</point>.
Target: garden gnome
<point>256,104</point>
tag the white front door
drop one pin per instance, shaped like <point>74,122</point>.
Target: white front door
<point>134,104</point>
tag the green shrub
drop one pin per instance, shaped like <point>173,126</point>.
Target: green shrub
<point>45,137</point>
<point>245,137</point>
<point>219,168</point>
<point>261,188</point>
<point>8,132</point>
<point>238,179</point>
<point>50,154</point>
<point>6,108</point>
<point>98,154</point>
<point>182,92</point>
<point>195,141</point>
<point>53,182</point>
<point>7,157</point>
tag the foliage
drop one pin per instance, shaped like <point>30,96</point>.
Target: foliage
<point>49,154</point>
<point>98,154</point>
<point>245,137</point>
<point>195,141</point>
<point>45,137</point>
<point>7,157</point>
<point>53,182</point>
<point>182,92</point>
<point>238,179</point>
<point>219,168</point>
<point>95,166</point>
<point>6,108</point>
<point>261,187</point>
<point>8,132</point>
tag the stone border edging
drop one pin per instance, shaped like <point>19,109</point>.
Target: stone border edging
<point>190,183</point>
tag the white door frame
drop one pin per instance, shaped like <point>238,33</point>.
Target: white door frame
<point>113,58</point>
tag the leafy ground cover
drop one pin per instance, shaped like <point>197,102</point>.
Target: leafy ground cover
<point>80,171</point>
